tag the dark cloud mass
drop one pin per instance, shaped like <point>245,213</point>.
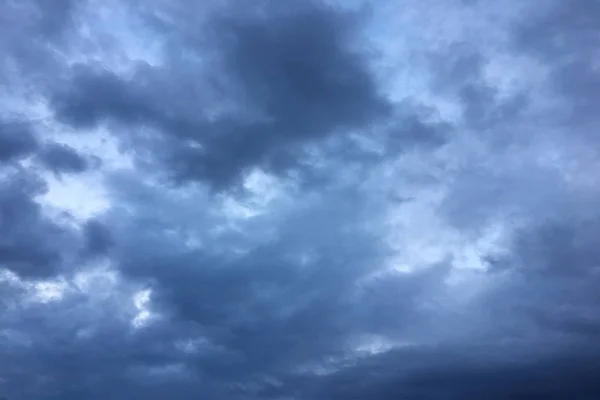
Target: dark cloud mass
<point>16,141</point>
<point>299,200</point>
<point>62,158</point>
<point>293,74</point>
<point>31,244</point>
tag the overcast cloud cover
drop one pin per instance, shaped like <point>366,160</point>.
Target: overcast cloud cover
<point>277,199</point>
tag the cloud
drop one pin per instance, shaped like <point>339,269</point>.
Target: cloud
<point>33,36</point>
<point>62,158</point>
<point>563,38</point>
<point>31,243</point>
<point>16,141</point>
<point>289,78</point>
<point>469,374</point>
<point>98,239</point>
<point>302,284</point>
<point>298,200</point>
<point>220,306</point>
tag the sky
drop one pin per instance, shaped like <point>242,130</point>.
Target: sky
<point>299,200</point>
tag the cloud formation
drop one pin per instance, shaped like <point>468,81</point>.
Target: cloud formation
<point>299,200</point>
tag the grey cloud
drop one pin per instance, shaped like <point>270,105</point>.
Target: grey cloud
<point>75,341</point>
<point>290,300</point>
<point>17,140</point>
<point>254,312</point>
<point>557,269</point>
<point>293,72</point>
<point>56,18</point>
<point>62,158</point>
<point>31,32</point>
<point>237,299</point>
<point>459,72</point>
<point>97,238</point>
<point>469,373</point>
<point>301,63</point>
<point>31,244</point>
<point>544,285</point>
<point>564,37</point>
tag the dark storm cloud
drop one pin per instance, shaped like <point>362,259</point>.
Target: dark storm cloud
<point>295,75</point>
<point>459,72</point>
<point>17,140</point>
<point>62,158</point>
<point>58,349</point>
<point>565,37</point>
<point>31,244</point>
<point>54,18</point>
<point>259,307</point>
<point>97,238</point>
<point>30,33</point>
<point>555,269</point>
<point>427,373</point>
<point>293,300</point>
<point>553,262</point>
<point>261,314</point>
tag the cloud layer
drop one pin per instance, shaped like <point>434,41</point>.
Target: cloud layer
<point>299,200</point>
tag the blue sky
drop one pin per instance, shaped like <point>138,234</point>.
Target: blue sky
<point>299,199</point>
